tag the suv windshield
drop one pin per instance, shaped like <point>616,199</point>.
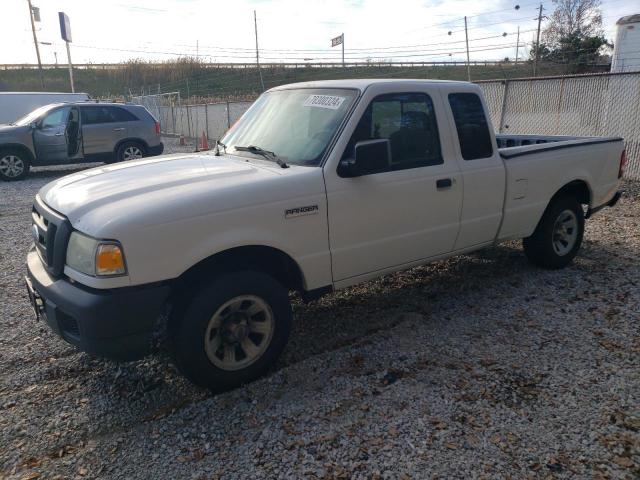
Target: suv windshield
<point>296,124</point>
<point>35,115</point>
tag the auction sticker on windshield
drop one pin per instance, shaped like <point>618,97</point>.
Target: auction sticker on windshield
<point>324,101</point>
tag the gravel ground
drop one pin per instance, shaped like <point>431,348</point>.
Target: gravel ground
<point>480,366</point>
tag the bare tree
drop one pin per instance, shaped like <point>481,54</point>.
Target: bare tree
<point>573,18</point>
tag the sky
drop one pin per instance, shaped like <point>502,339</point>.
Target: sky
<point>299,31</point>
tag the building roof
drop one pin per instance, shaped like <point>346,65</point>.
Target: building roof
<point>629,19</point>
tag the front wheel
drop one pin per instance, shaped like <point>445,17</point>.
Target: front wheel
<point>558,236</point>
<point>14,165</point>
<point>232,330</point>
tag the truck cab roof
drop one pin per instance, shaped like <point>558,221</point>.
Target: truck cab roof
<point>363,83</point>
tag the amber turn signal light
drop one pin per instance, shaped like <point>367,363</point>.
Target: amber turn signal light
<point>110,260</point>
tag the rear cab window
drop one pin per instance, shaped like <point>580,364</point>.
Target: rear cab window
<point>471,125</point>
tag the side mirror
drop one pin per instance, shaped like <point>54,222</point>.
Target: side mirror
<point>33,125</point>
<point>371,156</point>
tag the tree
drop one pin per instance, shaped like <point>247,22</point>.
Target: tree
<point>577,18</point>
<point>574,35</point>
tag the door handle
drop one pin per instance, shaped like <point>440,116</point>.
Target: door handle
<point>443,183</point>
<point>118,129</point>
<point>59,134</point>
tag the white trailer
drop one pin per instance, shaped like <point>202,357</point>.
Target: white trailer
<point>14,105</point>
<point>627,45</point>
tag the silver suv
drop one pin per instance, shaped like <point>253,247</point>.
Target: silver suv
<point>64,133</point>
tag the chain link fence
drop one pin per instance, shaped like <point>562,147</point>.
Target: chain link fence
<point>605,105</point>
<point>580,105</point>
<point>191,121</point>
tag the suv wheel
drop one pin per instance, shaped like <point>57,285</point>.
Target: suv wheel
<point>558,236</point>
<point>130,151</point>
<point>14,164</point>
<point>232,330</point>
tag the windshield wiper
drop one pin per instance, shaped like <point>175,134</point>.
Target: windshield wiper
<point>218,145</point>
<point>265,153</point>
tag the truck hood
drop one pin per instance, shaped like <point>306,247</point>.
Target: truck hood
<point>13,129</point>
<point>150,182</point>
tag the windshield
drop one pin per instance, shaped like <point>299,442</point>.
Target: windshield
<point>296,125</point>
<point>33,116</point>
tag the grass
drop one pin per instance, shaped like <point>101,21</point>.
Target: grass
<point>196,79</point>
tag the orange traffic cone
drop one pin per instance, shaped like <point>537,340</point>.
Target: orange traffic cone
<point>182,141</point>
<point>204,143</point>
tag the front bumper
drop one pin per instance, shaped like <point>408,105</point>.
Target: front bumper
<point>116,323</point>
<point>156,150</point>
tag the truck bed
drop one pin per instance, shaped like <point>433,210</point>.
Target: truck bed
<point>537,166</point>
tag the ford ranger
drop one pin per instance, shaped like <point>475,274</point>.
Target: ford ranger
<point>317,187</point>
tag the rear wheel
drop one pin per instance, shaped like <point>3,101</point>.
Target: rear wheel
<point>558,236</point>
<point>130,151</point>
<point>232,330</point>
<point>14,164</point>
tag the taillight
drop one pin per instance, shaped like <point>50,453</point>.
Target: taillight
<point>157,128</point>
<point>623,163</point>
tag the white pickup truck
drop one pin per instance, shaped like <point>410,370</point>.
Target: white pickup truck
<point>317,187</point>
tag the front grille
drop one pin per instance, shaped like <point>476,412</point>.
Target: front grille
<point>50,232</point>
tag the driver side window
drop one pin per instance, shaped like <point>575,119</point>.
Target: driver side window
<point>408,121</point>
<point>55,118</point>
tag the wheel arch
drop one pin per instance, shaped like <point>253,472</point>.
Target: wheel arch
<point>579,189</point>
<point>131,139</point>
<point>19,146</point>
<point>269,260</point>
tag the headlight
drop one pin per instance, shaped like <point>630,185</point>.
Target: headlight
<point>95,257</point>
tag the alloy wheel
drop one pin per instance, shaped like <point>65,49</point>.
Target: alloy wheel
<point>11,166</point>
<point>131,153</point>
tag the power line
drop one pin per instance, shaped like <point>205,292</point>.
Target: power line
<point>369,49</point>
<point>413,53</point>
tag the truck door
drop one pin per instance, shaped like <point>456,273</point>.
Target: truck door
<point>405,211</point>
<point>483,171</point>
<point>49,137</point>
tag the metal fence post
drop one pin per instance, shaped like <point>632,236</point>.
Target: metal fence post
<point>503,109</point>
<point>206,119</point>
<point>173,119</point>
<point>188,122</point>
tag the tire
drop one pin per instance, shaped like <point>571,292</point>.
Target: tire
<point>210,339</point>
<point>558,236</point>
<point>14,164</point>
<point>130,151</point>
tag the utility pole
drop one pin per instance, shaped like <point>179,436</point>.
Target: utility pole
<point>255,24</point>
<point>73,88</point>
<point>535,61</point>
<point>342,35</point>
<point>466,36</point>
<point>517,45</point>
<point>35,42</point>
